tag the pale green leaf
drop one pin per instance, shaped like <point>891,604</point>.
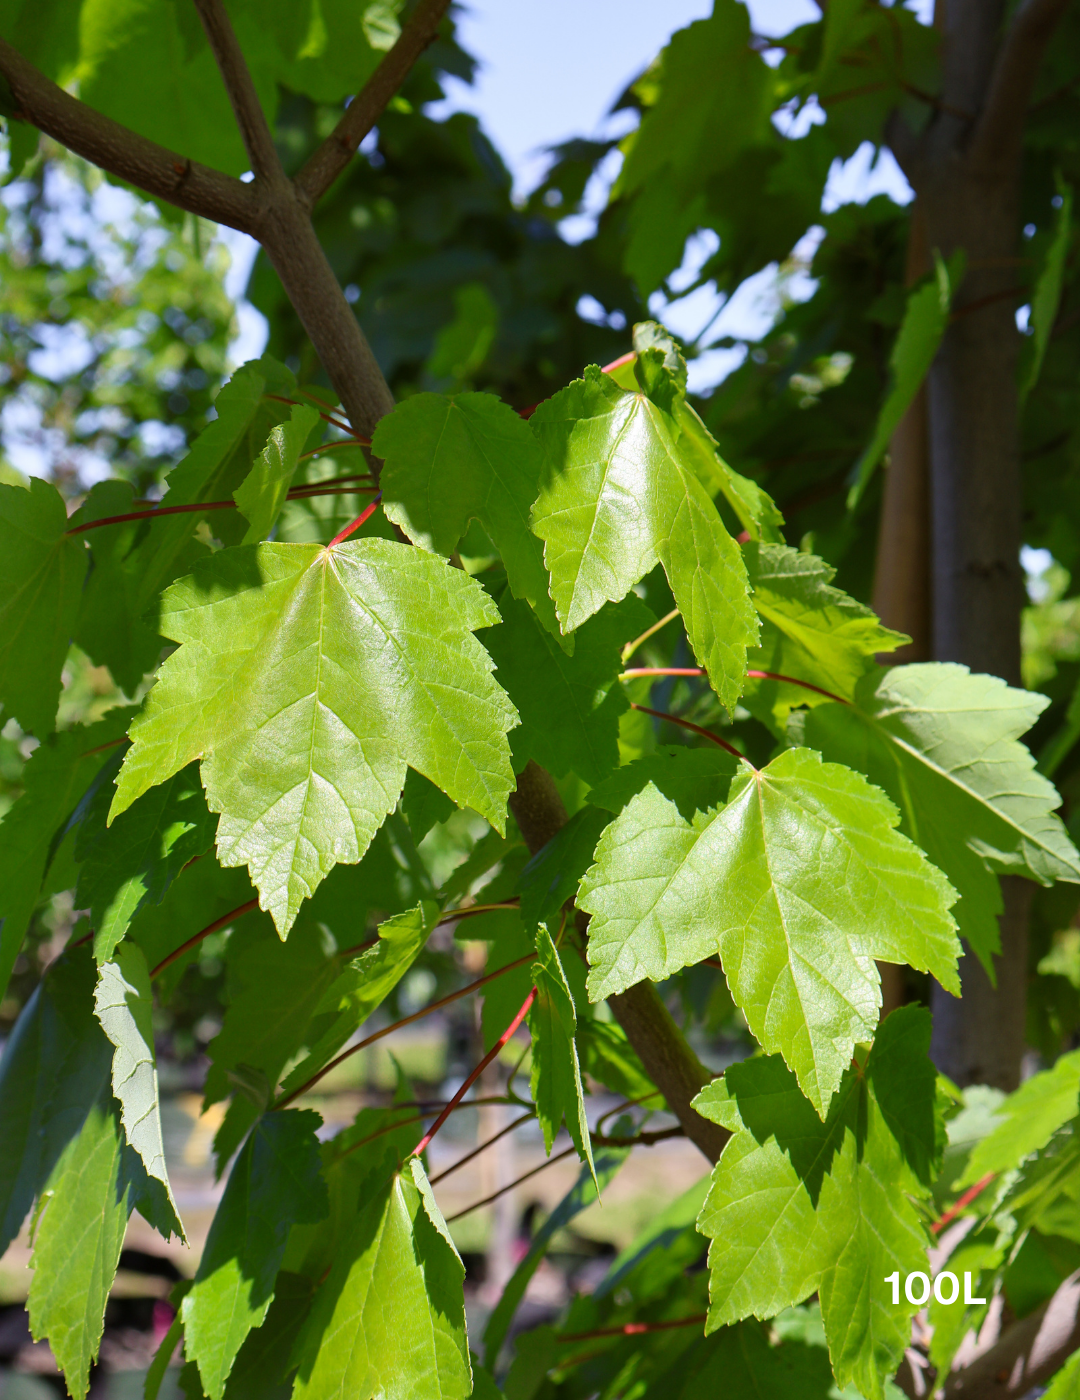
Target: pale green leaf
<point>390,1319</point>
<point>619,495</point>
<point>276,1182</point>
<point>133,862</point>
<point>54,781</point>
<point>569,705</point>
<point>757,512</point>
<point>364,984</point>
<point>591,1181</point>
<point>809,630</point>
<point>124,1004</point>
<point>925,319</point>
<point>307,680</point>
<point>799,883</point>
<point>262,492</point>
<point>450,460</point>
<point>1027,1120</point>
<point>41,575</point>
<point>798,1206</point>
<point>555,1080</point>
<point>54,1066</point>
<point>77,1245</point>
<point>944,744</point>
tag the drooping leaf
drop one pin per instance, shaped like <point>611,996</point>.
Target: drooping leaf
<point>263,1366</point>
<point>756,882</point>
<point>77,1244</point>
<point>798,1205</point>
<point>123,1002</point>
<point>134,861</point>
<point>390,1319</point>
<point>925,319</point>
<point>590,1182</point>
<point>620,495</point>
<point>555,1080</point>
<point>275,1183</point>
<point>569,705</point>
<point>809,630</point>
<point>59,772</point>
<point>307,679</point>
<point>466,457</point>
<point>41,574</point>
<point>262,492</point>
<point>1047,295</point>
<point>54,1066</point>
<point>944,744</point>
<point>364,984</point>
<point>552,875</point>
<point>1027,1120</point>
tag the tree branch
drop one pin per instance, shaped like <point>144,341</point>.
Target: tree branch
<point>323,168</point>
<point>160,172</point>
<point>250,117</point>
<point>1000,124</point>
<point>1028,1354</point>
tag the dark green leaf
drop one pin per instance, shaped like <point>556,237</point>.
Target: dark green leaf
<point>55,1065</point>
<point>41,574</point>
<point>555,1080</point>
<point>608,1057</point>
<point>569,705</point>
<point>552,875</point>
<point>275,1183</point>
<point>694,779</point>
<point>466,457</point>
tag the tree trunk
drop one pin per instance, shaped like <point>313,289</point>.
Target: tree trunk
<point>968,188</point>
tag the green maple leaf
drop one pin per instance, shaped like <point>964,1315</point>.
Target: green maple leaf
<point>276,1182</point>
<point>944,744</point>
<point>77,1244</point>
<point>363,985</point>
<point>1027,1120</point>
<point>307,680</point>
<point>569,705</point>
<point>798,1205</point>
<point>261,494</point>
<point>619,495</point>
<point>694,779</point>
<point>124,1004</point>
<point>466,457</point>
<point>798,883</point>
<point>42,569</point>
<point>54,781</point>
<point>133,862</point>
<point>809,630</point>
<point>390,1319</point>
<point>55,1065</point>
<point>555,1080</point>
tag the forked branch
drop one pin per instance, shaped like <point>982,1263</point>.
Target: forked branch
<point>250,117</point>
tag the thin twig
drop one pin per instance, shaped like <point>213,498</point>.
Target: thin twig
<point>250,117</point>
<point>416,1118</point>
<point>478,1071</point>
<point>525,1118</point>
<point>631,647</point>
<point>697,729</point>
<point>335,153</point>
<point>503,1189</point>
<point>355,524</point>
<point>630,1329</point>
<point>406,1021</point>
<point>203,933</point>
<point>297,493</point>
<point>964,1201</point>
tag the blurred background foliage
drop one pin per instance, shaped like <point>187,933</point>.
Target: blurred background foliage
<point>115,329</point>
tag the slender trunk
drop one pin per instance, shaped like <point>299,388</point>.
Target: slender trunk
<point>969,191</point>
<point>901,596</point>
